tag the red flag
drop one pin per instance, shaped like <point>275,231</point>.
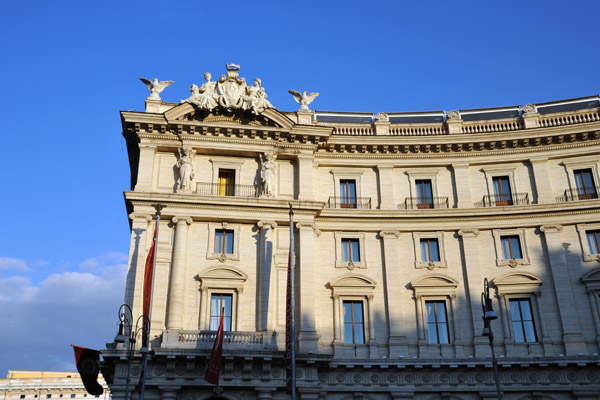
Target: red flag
<point>288,326</point>
<point>214,364</point>
<point>148,273</point>
<point>87,366</point>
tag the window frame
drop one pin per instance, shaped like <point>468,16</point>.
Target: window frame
<point>210,317</point>
<point>437,324</point>
<point>347,174</point>
<point>496,171</point>
<point>419,263</point>
<point>586,253</point>
<point>231,163</point>
<point>498,234</point>
<point>417,174</point>
<point>224,240</point>
<point>521,320</point>
<point>352,302</point>
<point>339,262</point>
<point>212,229</point>
<point>580,163</point>
<point>220,280</point>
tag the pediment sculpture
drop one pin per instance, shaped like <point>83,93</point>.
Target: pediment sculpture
<point>229,92</point>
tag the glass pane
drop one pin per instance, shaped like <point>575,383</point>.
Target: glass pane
<point>443,331</point>
<point>359,337</point>
<point>345,252</point>
<point>579,181</point>
<point>432,333</point>
<point>518,330</point>
<point>505,248</point>
<point>352,191</point>
<point>226,324</point>
<point>343,191</point>
<point>430,312</point>
<point>424,251</point>
<point>529,331</point>
<point>441,311</point>
<point>516,247</point>
<point>347,333</point>
<point>347,312</point>
<point>505,188</point>
<point>497,188</point>
<point>427,191</point>
<point>433,249</point>
<point>227,305</point>
<point>218,241</point>
<point>587,179</point>
<point>526,310</point>
<point>355,250</point>
<point>358,313</point>
<point>592,241</point>
<point>514,310</point>
<point>215,304</point>
<point>229,242</point>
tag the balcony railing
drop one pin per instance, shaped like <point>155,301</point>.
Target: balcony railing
<point>349,202</point>
<point>231,340</point>
<point>498,200</point>
<point>585,193</point>
<point>424,203</point>
<point>216,189</point>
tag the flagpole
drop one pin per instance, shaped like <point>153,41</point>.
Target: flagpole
<point>146,335</point>
<point>292,303</point>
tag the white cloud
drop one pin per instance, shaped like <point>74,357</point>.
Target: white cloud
<point>40,321</point>
<point>13,264</point>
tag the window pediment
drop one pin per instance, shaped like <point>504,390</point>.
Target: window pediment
<point>222,272</point>
<point>434,285</point>
<point>349,281</point>
<point>520,282</point>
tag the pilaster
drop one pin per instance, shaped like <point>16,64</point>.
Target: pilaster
<point>140,227</point>
<point>543,183</point>
<point>145,170</point>
<point>178,266</point>
<point>305,177</point>
<point>307,338</point>
<point>387,187</point>
<point>304,117</point>
<point>267,279</point>
<point>398,343</point>
<point>572,336</point>
<point>462,185</point>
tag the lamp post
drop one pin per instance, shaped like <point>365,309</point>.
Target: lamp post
<point>131,339</point>
<point>488,315</point>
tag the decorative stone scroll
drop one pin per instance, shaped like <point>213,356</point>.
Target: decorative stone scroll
<point>382,117</point>
<point>230,92</point>
<point>529,109</point>
<point>453,114</point>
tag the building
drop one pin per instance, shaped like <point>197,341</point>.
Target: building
<point>38,385</point>
<point>399,218</point>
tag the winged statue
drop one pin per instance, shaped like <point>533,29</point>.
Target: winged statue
<point>155,87</point>
<point>303,99</point>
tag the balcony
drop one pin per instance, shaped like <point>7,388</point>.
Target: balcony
<point>349,202</point>
<point>497,200</point>
<point>231,340</point>
<point>424,203</point>
<point>584,193</point>
<point>216,189</point>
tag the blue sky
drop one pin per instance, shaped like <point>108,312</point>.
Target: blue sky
<point>68,68</point>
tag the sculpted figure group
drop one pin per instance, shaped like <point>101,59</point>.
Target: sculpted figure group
<point>230,92</point>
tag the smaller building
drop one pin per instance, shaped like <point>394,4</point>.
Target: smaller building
<point>47,385</point>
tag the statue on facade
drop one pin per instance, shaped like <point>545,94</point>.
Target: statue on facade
<point>204,96</point>
<point>303,99</point>
<point>186,169</point>
<point>529,109</point>
<point>257,98</point>
<point>453,114</point>
<point>267,174</point>
<point>155,87</point>
<point>382,117</point>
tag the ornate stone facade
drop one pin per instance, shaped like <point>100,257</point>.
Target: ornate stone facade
<point>399,220</point>
<point>37,385</point>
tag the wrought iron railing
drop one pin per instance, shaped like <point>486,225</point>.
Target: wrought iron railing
<point>217,189</point>
<point>584,193</point>
<point>349,202</point>
<point>498,200</point>
<point>424,203</point>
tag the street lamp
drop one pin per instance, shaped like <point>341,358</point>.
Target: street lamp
<point>488,316</point>
<point>131,339</point>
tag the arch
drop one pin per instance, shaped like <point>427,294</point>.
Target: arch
<point>591,277</point>
<point>517,282</point>
<point>225,272</point>
<point>434,281</point>
<point>353,281</point>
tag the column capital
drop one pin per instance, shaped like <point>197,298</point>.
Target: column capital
<point>266,224</point>
<point>304,226</point>
<point>470,232</point>
<point>538,159</point>
<point>389,234</point>
<point>177,220</point>
<point>134,216</point>
<point>551,228</point>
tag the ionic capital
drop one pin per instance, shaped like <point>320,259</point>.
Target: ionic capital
<point>266,224</point>
<point>177,220</point>
<point>389,234</point>
<point>468,232</point>
<point>134,216</point>
<point>551,228</point>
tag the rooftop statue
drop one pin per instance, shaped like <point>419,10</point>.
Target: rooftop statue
<point>155,87</point>
<point>303,99</point>
<point>230,92</point>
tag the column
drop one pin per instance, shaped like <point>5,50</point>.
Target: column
<point>267,284</point>
<point>473,292</point>
<point>305,177</point>
<point>177,281</point>
<point>307,338</point>
<point>398,344</point>
<point>145,168</point>
<point>543,184</point>
<point>572,336</point>
<point>462,185</point>
<point>140,239</point>
<point>387,187</point>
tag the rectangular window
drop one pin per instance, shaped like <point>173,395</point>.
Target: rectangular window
<point>585,184</point>
<point>223,241</point>
<point>226,184</point>
<point>354,330</point>
<point>502,194</point>
<point>511,247</point>
<point>430,250</point>
<point>218,303</point>
<point>437,322</point>
<point>424,193</point>
<point>593,239</point>
<point>522,321</point>
<point>348,193</point>
<point>350,250</point>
